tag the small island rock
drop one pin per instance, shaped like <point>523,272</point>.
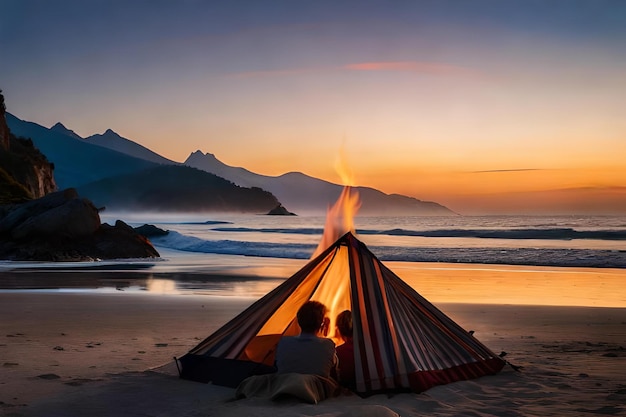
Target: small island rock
<point>279,210</point>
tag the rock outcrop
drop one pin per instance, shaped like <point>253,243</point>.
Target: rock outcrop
<point>279,210</point>
<point>64,227</point>
<point>25,173</point>
<point>149,230</point>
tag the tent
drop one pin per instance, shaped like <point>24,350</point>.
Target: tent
<point>402,342</point>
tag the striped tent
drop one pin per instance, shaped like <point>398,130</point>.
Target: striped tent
<point>402,342</point>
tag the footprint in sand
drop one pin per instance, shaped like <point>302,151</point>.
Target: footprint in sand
<point>48,376</point>
<point>77,382</point>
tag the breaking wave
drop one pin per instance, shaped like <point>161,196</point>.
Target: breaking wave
<point>178,241</point>
<point>548,233</point>
<point>567,257</point>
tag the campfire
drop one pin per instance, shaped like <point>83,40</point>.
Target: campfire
<point>339,218</point>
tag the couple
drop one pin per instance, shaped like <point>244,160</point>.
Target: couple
<point>312,353</point>
<point>308,366</point>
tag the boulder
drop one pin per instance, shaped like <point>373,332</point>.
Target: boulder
<point>149,230</point>
<point>122,241</point>
<point>64,227</point>
<point>75,218</point>
<point>17,213</point>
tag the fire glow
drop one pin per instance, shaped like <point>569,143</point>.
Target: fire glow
<point>339,218</point>
<point>335,294</point>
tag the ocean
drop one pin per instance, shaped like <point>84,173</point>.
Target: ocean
<point>557,260</point>
<point>567,241</point>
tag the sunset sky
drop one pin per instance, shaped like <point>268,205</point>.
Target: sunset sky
<point>483,106</point>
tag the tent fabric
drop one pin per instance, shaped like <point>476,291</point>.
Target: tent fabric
<point>401,341</point>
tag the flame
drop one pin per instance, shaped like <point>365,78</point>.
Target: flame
<point>343,168</point>
<point>335,293</point>
<point>339,218</point>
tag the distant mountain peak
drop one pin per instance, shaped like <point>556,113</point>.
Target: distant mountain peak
<point>108,135</point>
<point>113,140</point>
<point>60,128</point>
<point>303,193</point>
<point>110,132</point>
<point>200,153</point>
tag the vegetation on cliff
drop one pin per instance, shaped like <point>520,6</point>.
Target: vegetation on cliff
<point>25,172</point>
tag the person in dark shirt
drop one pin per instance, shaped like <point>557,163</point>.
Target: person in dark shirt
<point>345,351</point>
<point>310,352</point>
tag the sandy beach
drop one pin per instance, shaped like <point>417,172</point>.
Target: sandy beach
<point>82,353</point>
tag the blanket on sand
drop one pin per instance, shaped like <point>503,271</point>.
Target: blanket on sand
<point>306,387</point>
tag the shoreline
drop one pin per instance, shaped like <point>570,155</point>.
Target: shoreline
<point>254,277</point>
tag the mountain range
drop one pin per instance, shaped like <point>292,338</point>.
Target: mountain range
<point>119,173</point>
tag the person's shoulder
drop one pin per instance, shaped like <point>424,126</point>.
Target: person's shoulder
<point>347,346</point>
<point>326,342</point>
<point>287,341</point>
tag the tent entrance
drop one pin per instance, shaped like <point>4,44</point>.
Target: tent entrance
<point>327,283</point>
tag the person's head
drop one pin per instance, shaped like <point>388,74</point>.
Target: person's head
<point>344,324</point>
<point>311,316</point>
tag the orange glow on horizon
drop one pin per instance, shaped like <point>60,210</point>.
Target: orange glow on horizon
<point>564,191</point>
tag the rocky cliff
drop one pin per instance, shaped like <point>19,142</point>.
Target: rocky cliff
<point>25,173</point>
<point>4,129</point>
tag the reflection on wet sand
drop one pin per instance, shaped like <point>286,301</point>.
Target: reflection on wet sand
<point>164,284</point>
<point>450,283</point>
<point>522,285</point>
